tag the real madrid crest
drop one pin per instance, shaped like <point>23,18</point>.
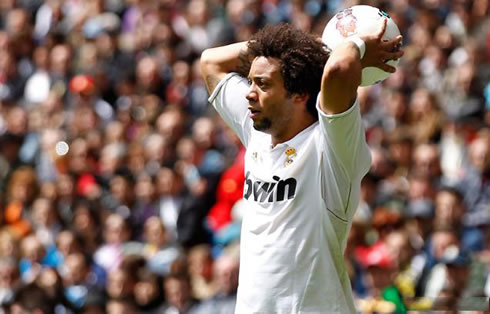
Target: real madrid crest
<point>290,154</point>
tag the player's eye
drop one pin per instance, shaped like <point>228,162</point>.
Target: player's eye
<point>261,84</point>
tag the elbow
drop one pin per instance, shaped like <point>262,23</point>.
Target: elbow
<point>209,63</point>
<point>205,61</point>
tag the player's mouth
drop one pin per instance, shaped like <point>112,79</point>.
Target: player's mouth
<point>253,112</point>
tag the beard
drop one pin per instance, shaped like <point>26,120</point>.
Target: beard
<point>262,125</point>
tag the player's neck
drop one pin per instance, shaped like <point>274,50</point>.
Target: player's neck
<point>292,129</point>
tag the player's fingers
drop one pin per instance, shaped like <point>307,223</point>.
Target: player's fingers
<point>397,54</point>
<point>382,28</point>
<point>397,43</point>
<point>386,67</point>
<point>388,55</point>
<point>392,44</point>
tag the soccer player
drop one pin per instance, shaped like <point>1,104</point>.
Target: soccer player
<point>294,108</point>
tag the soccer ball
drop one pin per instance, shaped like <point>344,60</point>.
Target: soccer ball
<point>360,20</point>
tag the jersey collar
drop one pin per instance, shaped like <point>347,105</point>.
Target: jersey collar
<point>297,139</point>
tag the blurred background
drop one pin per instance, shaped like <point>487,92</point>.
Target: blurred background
<point>120,187</point>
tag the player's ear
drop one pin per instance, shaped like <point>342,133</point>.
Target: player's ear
<point>301,98</point>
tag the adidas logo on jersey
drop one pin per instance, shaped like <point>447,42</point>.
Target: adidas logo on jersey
<point>276,191</point>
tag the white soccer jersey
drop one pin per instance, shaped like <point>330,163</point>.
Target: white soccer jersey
<point>301,196</point>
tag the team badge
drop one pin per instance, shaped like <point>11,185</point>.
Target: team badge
<point>346,23</point>
<point>290,154</point>
<point>254,156</point>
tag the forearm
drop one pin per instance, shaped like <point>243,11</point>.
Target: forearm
<point>217,62</point>
<point>341,78</point>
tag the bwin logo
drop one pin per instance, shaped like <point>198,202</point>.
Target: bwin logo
<point>269,191</point>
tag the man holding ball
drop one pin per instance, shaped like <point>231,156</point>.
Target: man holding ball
<point>293,105</point>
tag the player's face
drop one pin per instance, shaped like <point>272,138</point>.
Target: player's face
<point>269,104</point>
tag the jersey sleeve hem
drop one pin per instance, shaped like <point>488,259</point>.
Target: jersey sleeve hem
<point>218,87</point>
<point>336,115</point>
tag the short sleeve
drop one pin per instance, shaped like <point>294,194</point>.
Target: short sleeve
<point>346,141</point>
<point>228,98</point>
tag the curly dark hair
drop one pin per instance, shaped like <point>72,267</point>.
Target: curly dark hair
<point>302,58</point>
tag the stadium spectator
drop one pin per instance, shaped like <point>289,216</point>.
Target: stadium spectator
<point>200,268</point>
<point>9,279</point>
<point>226,276</point>
<point>177,295</point>
<point>148,293</point>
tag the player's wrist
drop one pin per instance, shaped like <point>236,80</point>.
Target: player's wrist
<point>361,45</point>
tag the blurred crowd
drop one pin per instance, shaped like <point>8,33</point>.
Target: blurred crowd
<point>120,188</point>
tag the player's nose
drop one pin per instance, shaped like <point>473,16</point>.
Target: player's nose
<point>251,94</point>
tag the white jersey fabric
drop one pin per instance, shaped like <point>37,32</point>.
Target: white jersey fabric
<point>301,196</point>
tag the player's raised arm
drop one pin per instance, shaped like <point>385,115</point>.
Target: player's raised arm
<point>342,72</point>
<point>219,61</point>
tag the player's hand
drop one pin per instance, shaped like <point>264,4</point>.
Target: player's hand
<point>379,51</point>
